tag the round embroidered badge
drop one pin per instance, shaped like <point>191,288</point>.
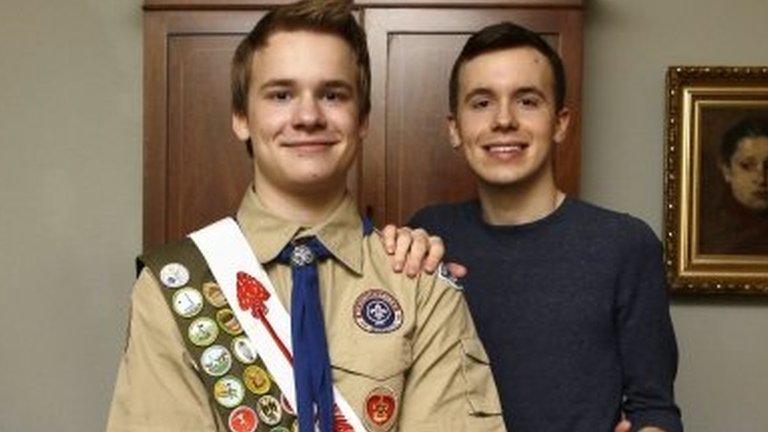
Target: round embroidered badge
<point>279,429</point>
<point>243,419</point>
<point>229,391</point>
<point>187,302</point>
<point>174,275</point>
<point>216,360</point>
<point>257,380</point>
<point>380,409</point>
<point>377,311</point>
<point>243,350</point>
<point>213,294</point>
<point>227,320</point>
<point>269,410</point>
<point>203,331</point>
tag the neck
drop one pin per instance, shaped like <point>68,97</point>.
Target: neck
<point>307,209</point>
<point>519,203</point>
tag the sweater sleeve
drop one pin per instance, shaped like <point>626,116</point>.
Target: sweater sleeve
<point>646,339</point>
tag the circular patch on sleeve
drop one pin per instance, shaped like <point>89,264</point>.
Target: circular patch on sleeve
<point>269,410</point>
<point>244,350</point>
<point>203,331</point>
<point>227,320</point>
<point>229,391</point>
<point>214,295</point>
<point>243,419</point>
<point>216,360</point>
<point>187,302</point>
<point>174,275</point>
<point>380,409</point>
<point>377,311</point>
<point>257,380</point>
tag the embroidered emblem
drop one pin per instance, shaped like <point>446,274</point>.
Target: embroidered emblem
<point>203,331</point>
<point>229,391</point>
<point>243,419</point>
<point>257,380</point>
<point>286,405</point>
<point>216,360</point>
<point>174,275</point>
<point>269,410</point>
<point>243,350</point>
<point>187,302</point>
<point>340,423</point>
<point>213,294</point>
<point>295,426</point>
<point>228,322</point>
<point>279,429</point>
<point>380,409</point>
<point>377,311</point>
<point>445,275</point>
<point>251,295</point>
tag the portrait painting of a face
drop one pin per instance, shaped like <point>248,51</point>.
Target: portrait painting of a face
<point>733,208</point>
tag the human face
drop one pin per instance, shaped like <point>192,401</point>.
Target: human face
<point>747,173</point>
<point>506,121</point>
<point>303,117</point>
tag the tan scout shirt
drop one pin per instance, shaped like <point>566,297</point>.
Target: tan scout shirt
<point>433,362</point>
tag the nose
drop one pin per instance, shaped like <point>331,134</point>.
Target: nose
<point>308,114</point>
<point>505,118</point>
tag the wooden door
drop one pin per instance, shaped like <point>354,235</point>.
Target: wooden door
<point>408,162</point>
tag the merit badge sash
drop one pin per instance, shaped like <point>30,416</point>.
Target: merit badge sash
<point>255,305</point>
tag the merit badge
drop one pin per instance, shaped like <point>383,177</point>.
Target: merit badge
<point>229,391</point>
<point>216,360</point>
<point>295,426</point>
<point>445,275</point>
<point>213,294</point>
<point>279,429</point>
<point>269,410</point>
<point>203,331</point>
<point>286,405</point>
<point>380,409</point>
<point>187,302</point>
<point>228,322</point>
<point>174,275</point>
<point>377,311</point>
<point>243,419</point>
<point>244,350</point>
<point>257,380</point>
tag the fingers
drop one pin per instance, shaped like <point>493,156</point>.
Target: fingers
<point>403,244</point>
<point>456,269</point>
<point>435,255</point>
<point>420,248</point>
<point>623,426</point>
<point>388,236</point>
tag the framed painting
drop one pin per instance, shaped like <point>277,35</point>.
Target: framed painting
<point>716,180</point>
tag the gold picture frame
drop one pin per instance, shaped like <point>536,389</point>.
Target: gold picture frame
<point>716,223</point>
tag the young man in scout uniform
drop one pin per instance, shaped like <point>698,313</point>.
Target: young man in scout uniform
<point>569,299</point>
<point>212,346</point>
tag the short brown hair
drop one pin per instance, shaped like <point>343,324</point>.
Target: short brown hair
<point>327,16</point>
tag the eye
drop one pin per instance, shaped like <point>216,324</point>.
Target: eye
<point>529,102</point>
<point>333,95</point>
<point>479,103</point>
<point>279,95</point>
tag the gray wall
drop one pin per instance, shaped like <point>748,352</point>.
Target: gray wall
<point>70,170</point>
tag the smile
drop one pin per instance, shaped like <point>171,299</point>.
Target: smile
<point>505,148</point>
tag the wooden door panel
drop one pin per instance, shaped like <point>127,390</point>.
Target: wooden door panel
<point>408,161</point>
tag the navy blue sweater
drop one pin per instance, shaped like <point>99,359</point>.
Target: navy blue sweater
<point>573,312</point>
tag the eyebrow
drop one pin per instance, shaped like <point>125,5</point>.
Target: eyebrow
<point>485,91</point>
<point>292,83</point>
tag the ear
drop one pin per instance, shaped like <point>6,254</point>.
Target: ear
<point>562,121</point>
<point>240,127</point>
<point>363,127</point>
<point>726,171</point>
<point>453,131</point>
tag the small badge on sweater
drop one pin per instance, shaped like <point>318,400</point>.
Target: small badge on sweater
<point>377,311</point>
<point>446,276</point>
<point>380,409</point>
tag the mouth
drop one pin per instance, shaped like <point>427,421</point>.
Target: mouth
<point>309,145</point>
<point>505,148</point>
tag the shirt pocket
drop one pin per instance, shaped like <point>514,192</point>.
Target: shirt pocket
<point>476,369</point>
<point>377,357</point>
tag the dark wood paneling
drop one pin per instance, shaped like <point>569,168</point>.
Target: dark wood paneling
<point>259,4</point>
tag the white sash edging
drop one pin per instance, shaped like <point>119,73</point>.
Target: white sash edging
<point>226,250</point>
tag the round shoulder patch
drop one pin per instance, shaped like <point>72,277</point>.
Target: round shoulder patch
<point>174,275</point>
<point>380,409</point>
<point>377,311</point>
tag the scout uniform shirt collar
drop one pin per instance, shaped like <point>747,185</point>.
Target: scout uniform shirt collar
<point>341,233</point>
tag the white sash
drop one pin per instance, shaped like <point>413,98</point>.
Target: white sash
<point>227,252</point>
